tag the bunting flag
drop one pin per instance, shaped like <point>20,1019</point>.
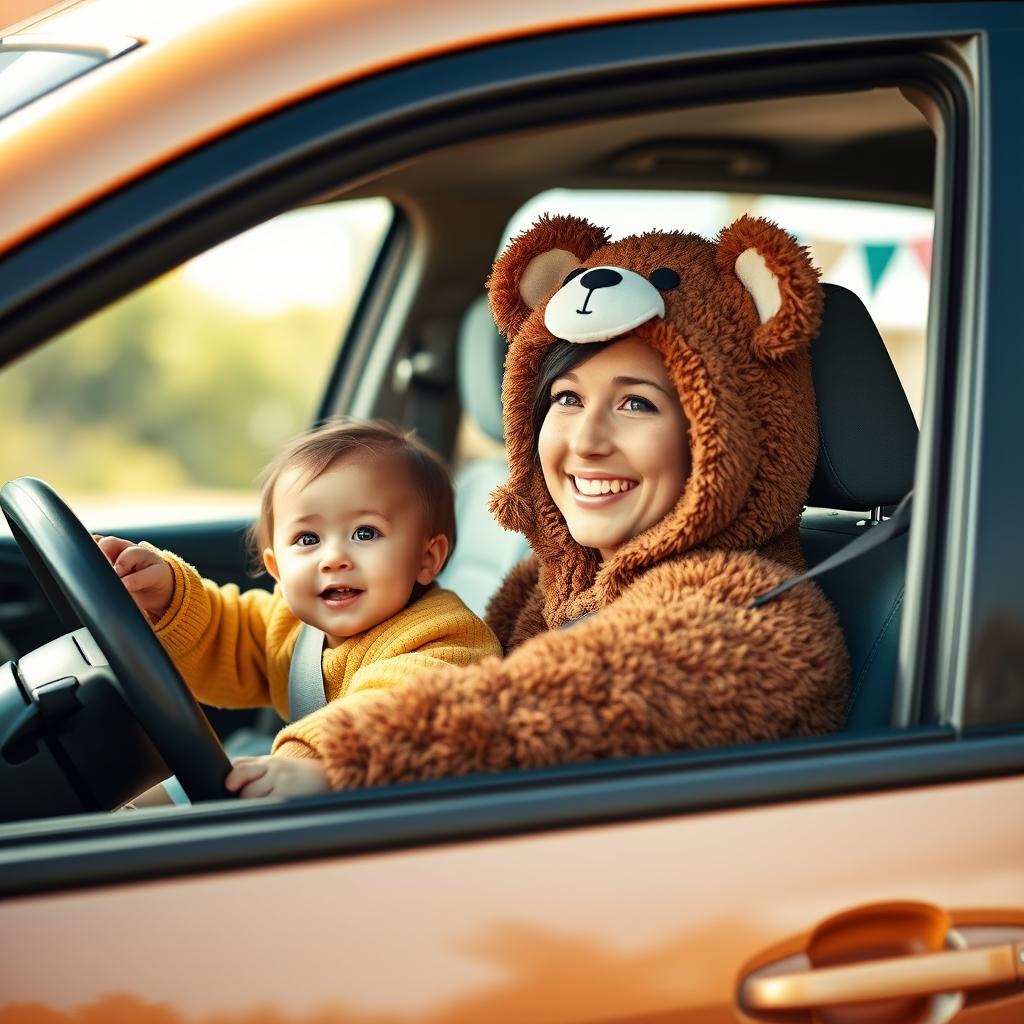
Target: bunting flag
<point>892,278</point>
<point>879,255</point>
<point>825,253</point>
<point>922,249</point>
<point>866,264</point>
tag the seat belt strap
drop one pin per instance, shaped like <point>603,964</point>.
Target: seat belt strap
<point>306,692</point>
<point>573,622</point>
<point>870,539</point>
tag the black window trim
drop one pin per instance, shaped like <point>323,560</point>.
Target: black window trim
<point>167,217</point>
<point>106,849</point>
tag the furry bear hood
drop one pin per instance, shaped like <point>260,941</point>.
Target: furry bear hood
<point>732,320</point>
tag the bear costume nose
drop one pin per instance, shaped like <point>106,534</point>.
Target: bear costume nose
<point>602,277</point>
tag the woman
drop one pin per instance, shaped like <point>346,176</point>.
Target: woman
<point>661,430</point>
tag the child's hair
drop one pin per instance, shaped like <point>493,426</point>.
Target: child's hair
<point>321,448</point>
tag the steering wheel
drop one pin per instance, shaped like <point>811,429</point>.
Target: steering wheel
<point>83,588</point>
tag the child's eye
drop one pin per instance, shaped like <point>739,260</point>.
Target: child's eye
<point>567,398</point>
<point>365,533</point>
<point>634,403</point>
<point>305,540</point>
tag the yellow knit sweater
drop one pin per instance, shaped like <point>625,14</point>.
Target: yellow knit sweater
<point>234,649</point>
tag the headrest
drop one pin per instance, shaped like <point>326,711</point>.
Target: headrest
<point>867,436</point>
<point>481,362</point>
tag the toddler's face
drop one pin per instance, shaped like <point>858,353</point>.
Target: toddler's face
<point>349,546</point>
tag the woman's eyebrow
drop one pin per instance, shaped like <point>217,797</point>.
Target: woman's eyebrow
<point>633,381</point>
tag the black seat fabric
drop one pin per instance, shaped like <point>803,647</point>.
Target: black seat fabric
<point>867,446</point>
<point>867,436</point>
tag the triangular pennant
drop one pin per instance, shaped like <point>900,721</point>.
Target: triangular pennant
<point>825,253</point>
<point>923,251</point>
<point>878,256</point>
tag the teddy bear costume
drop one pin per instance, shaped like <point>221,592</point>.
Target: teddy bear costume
<point>658,648</point>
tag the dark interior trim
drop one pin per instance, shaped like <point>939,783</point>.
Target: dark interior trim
<point>112,849</point>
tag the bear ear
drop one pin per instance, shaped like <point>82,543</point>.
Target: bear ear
<point>535,264</point>
<point>777,272</point>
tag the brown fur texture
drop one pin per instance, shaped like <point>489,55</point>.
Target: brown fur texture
<point>672,655</point>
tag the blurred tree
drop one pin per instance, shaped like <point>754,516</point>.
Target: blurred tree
<point>168,388</point>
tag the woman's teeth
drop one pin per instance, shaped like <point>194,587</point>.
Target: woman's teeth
<point>594,487</point>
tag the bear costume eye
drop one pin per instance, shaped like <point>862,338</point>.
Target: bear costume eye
<point>572,275</point>
<point>662,278</point>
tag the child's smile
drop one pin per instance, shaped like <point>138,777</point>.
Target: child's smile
<point>337,597</point>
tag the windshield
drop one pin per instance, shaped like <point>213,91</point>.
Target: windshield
<point>31,66</point>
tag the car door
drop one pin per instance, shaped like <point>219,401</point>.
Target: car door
<point>858,877</point>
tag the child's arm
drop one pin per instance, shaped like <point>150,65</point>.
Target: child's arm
<point>216,636</point>
<point>144,573</point>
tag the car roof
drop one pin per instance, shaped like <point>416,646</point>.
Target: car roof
<point>205,69</point>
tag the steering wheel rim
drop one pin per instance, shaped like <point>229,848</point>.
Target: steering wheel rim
<point>83,588</point>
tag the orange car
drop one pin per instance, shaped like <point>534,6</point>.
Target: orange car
<point>221,222</point>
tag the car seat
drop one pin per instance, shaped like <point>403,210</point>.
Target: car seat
<point>484,552</point>
<point>867,442</point>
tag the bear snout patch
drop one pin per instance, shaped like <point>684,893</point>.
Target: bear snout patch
<point>601,303</point>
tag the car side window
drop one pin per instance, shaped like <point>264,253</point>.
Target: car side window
<point>164,406</point>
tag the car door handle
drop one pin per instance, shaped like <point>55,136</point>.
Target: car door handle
<point>891,978</point>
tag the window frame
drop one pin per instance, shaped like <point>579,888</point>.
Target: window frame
<point>298,153</point>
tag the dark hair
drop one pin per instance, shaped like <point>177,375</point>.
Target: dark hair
<point>320,449</point>
<point>559,359</point>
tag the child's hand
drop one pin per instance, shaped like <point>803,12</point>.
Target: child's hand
<point>144,572</point>
<point>281,777</point>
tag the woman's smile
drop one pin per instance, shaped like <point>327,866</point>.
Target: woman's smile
<point>596,490</point>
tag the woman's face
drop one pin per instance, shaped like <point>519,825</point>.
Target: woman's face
<point>614,445</point>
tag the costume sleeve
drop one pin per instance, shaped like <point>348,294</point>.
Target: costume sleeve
<point>305,738</point>
<point>216,637</point>
<point>508,601</point>
<point>680,661</point>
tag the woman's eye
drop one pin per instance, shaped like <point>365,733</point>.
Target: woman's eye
<point>566,398</point>
<point>365,533</point>
<point>634,403</point>
<point>305,540</point>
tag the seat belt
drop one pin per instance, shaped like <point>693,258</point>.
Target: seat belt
<point>872,538</point>
<point>306,692</point>
<point>579,618</point>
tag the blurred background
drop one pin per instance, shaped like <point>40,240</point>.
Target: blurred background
<point>164,407</point>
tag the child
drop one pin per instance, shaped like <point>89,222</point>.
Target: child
<point>356,520</point>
